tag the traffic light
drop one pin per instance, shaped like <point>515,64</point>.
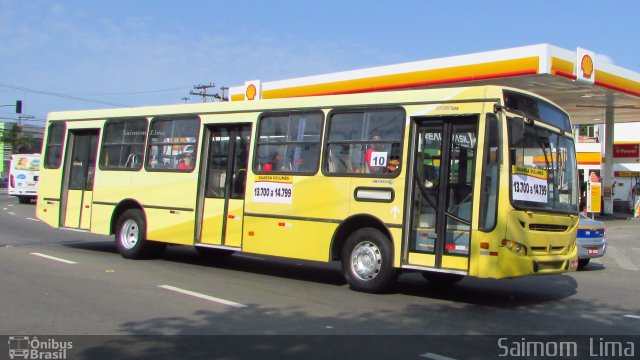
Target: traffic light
<point>18,106</point>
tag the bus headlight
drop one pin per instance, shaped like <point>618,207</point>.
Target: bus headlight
<point>514,247</point>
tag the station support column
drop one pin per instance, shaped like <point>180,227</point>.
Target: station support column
<point>607,173</point>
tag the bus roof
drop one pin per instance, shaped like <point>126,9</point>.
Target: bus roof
<point>377,98</point>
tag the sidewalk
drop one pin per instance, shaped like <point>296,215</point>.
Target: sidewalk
<point>615,216</point>
<point>619,220</point>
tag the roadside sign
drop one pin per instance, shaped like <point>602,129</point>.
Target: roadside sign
<point>594,189</point>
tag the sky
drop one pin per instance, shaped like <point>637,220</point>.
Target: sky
<point>72,55</point>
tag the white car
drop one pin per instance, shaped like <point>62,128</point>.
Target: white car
<point>591,241</point>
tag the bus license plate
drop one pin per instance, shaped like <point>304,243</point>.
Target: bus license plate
<point>592,251</point>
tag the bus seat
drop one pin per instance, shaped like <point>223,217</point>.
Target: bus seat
<point>131,161</point>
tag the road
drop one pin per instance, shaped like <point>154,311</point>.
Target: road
<point>61,282</point>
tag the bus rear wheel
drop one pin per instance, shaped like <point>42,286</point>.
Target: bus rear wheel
<point>24,199</point>
<point>367,261</point>
<point>131,238</point>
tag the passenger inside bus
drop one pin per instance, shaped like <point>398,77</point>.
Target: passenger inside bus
<point>186,163</point>
<point>371,161</point>
<point>393,165</point>
<point>275,164</point>
<point>430,176</point>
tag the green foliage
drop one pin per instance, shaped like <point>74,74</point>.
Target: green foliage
<point>19,141</point>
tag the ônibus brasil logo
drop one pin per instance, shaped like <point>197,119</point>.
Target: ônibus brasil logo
<point>32,348</point>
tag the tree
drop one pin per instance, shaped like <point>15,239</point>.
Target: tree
<point>19,141</point>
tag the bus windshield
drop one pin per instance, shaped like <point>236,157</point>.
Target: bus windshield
<point>543,168</point>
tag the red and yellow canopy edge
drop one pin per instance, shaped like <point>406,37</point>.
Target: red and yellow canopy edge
<point>603,79</point>
<point>484,71</point>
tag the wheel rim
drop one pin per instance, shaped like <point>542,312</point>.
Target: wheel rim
<point>130,234</point>
<point>366,261</point>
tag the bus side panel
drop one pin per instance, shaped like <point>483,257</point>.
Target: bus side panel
<point>169,201</point>
<point>172,226</point>
<point>308,240</point>
<point>109,187</point>
<point>302,228</point>
<point>101,218</point>
<point>481,260</point>
<point>390,212</point>
<point>48,206</point>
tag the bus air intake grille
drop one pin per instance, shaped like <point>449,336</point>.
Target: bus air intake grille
<point>550,266</point>
<point>548,227</point>
<point>548,250</point>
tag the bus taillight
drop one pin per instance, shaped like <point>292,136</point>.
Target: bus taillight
<point>12,182</point>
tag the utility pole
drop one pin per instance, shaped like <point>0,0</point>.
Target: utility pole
<point>224,88</point>
<point>24,117</point>
<point>203,92</point>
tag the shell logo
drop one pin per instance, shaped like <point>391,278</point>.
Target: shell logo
<point>587,66</point>
<point>251,92</point>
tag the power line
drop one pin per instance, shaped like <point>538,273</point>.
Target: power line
<point>203,92</point>
<point>66,96</point>
<point>12,119</point>
<point>133,92</point>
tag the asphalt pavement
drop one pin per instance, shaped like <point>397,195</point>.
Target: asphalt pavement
<point>61,282</point>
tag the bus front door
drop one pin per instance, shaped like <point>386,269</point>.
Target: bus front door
<point>222,185</point>
<point>79,171</point>
<point>444,163</point>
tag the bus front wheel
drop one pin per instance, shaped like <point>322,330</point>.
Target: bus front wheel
<point>131,237</point>
<point>367,261</point>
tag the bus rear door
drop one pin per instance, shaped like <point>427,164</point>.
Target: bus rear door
<point>444,151</point>
<point>79,171</point>
<point>222,185</point>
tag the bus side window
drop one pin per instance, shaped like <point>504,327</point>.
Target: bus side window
<point>53,148</point>
<point>365,142</point>
<point>289,143</point>
<point>170,140</point>
<point>123,144</point>
<point>490,176</point>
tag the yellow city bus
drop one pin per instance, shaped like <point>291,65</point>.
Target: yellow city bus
<point>472,181</point>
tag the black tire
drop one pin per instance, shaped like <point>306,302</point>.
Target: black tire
<point>24,200</point>
<point>367,261</point>
<point>582,263</point>
<point>131,237</point>
<point>441,279</point>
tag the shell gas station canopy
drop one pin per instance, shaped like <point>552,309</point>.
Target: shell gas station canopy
<point>579,81</point>
<point>589,87</point>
